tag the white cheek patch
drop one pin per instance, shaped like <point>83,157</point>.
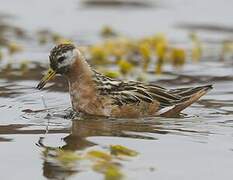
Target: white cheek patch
<point>70,57</point>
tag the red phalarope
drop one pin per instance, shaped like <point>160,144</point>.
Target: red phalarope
<point>95,94</point>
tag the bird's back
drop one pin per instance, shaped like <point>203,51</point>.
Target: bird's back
<point>134,99</point>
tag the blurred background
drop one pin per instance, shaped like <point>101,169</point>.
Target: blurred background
<point>149,34</point>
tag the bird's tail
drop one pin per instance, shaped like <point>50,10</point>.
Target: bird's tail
<point>190,95</point>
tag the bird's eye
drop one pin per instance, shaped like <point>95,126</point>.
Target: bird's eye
<point>60,59</point>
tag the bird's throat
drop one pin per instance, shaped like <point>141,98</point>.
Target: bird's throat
<point>81,85</point>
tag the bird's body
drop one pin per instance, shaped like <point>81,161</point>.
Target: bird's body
<point>95,94</point>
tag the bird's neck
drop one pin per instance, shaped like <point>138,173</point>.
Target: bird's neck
<point>80,72</point>
<point>80,75</point>
<point>81,85</point>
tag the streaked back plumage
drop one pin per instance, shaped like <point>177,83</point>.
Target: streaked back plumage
<point>133,92</point>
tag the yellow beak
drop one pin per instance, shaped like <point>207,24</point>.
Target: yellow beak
<point>49,75</point>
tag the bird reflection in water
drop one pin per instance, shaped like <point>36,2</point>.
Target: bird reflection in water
<point>57,165</point>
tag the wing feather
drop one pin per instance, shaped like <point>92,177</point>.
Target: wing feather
<point>133,92</point>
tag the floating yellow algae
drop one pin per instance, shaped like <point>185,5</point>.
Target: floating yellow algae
<point>59,39</point>
<point>98,55</point>
<point>111,74</point>
<point>67,157</point>
<point>161,50</point>
<point>110,170</point>
<point>42,39</point>
<point>113,173</point>
<point>108,163</point>
<point>159,66</point>
<point>99,155</point>
<point>227,49</point>
<point>159,38</point>
<point>107,31</point>
<point>1,55</point>
<point>197,47</point>
<point>127,53</point>
<point>145,51</point>
<point>56,37</point>
<point>117,47</point>
<point>120,150</point>
<point>196,53</point>
<point>43,36</point>
<point>177,56</point>
<point>64,41</point>
<point>124,66</point>
<point>14,48</point>
<point>24,66</point>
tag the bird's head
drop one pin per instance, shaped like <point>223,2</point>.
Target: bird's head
<point>61,58</point>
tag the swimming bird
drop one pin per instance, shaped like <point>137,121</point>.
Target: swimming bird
<point>96,94</point>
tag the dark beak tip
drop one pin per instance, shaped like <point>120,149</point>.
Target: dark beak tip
<point>39,86</point>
